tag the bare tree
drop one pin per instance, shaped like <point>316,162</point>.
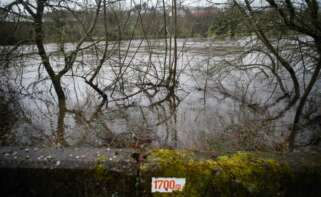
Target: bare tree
<point>36,11</point>
<point>298,51</point>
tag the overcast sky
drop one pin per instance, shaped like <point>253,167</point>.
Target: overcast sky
<point>185,2</point>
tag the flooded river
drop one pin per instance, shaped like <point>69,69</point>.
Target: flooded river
<point>214,106</point>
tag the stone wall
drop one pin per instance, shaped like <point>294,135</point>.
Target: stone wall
<point>125,172</point>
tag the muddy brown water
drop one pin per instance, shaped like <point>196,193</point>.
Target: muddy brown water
<point>199,117</point>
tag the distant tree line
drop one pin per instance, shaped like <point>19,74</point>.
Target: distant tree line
<point>64,25</point>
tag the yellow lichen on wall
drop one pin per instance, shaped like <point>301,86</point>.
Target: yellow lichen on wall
<point>100,170</point>
<point>239,174</point>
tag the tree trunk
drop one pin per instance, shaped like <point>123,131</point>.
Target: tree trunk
<point>56,80</point>
<point>304,98</point>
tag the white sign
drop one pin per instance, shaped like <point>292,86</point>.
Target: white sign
<point>167,184</point>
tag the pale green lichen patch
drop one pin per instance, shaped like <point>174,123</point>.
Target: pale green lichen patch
<point>100,170</point>
<point>252,174</point>
<point>239,174</point>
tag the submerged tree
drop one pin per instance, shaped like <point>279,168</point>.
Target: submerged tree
<point>290,44</point>
<point>97,31</point>
<point>36,11</point>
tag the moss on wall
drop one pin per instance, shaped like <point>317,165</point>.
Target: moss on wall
<point>238,174</point>
<point>101,171</point>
